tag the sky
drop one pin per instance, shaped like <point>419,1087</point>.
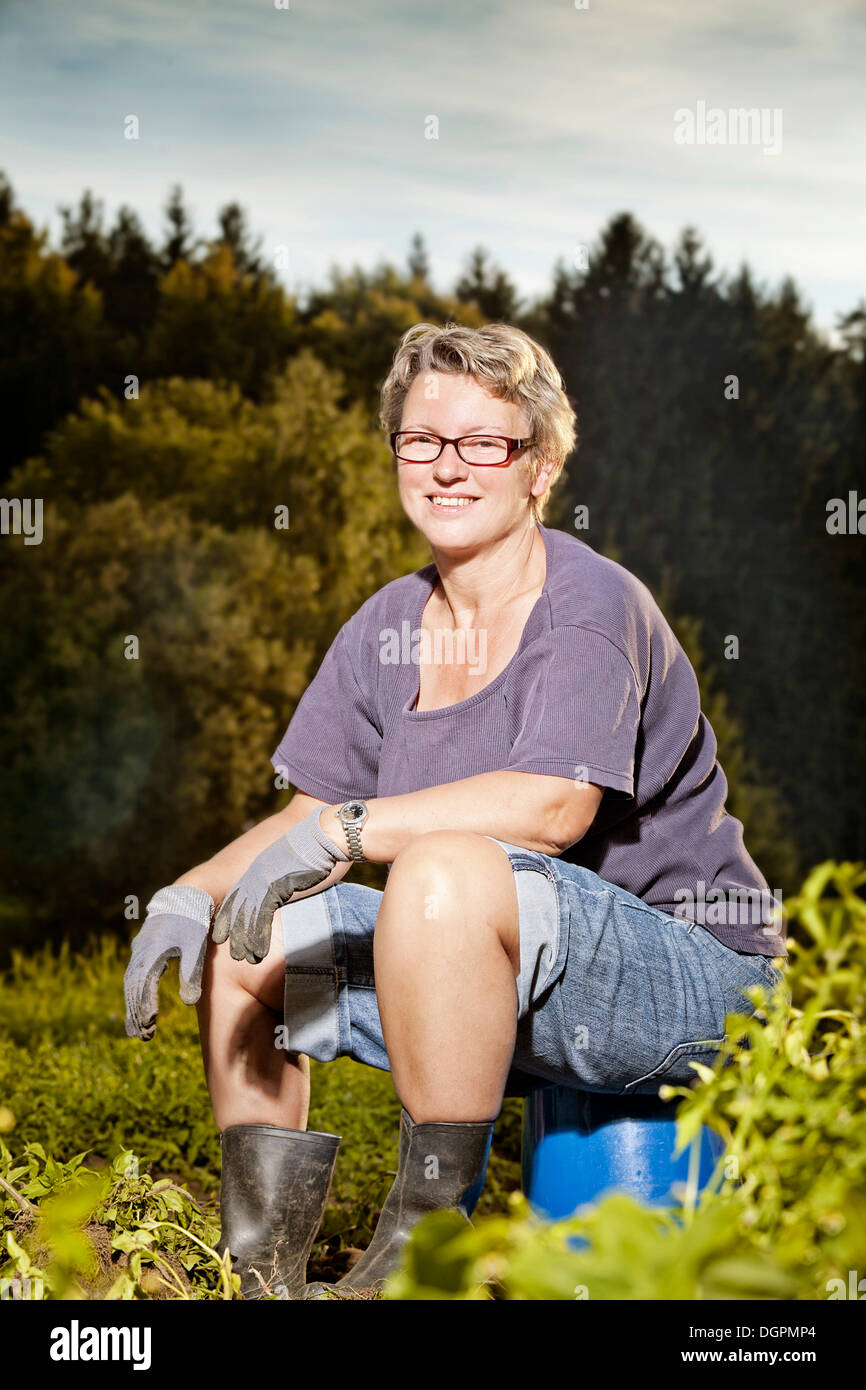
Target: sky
<point>550,119</point>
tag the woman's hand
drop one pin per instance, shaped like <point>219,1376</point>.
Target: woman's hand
<point>177,923</point>
<point>296,861</point>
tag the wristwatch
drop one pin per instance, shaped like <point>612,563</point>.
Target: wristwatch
<point>351,816</point>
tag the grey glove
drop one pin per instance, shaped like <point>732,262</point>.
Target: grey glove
<point>297,860</point>
<point>177,923</point>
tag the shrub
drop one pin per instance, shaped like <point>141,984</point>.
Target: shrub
<point>786,1214</point>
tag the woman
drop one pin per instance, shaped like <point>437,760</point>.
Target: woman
<point>515,731</point>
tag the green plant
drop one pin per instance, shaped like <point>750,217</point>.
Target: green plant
<point>786,1214</point>
<point>115,1233</point>
<point>784,1218</point>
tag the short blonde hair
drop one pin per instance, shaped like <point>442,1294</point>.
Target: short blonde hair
<point>510,365</point>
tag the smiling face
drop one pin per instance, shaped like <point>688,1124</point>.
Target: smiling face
<point>496,500</point>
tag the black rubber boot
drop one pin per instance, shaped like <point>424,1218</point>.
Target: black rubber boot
<point>275,1185</point>
<point>441,1165</point>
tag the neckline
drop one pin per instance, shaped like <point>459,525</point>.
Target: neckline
<point>430,578</point>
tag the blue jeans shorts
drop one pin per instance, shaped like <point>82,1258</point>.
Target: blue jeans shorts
<point>612,995</point>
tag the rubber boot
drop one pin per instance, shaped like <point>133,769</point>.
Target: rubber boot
<point>274,1188</point>
<point>441,1165</point>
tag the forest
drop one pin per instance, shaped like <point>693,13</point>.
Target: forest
<point>216,499</point>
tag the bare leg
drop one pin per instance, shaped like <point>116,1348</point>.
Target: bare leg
<point>447,953</point>
<point>250,1080</point>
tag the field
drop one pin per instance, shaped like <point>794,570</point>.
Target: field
<point>109,1157</point>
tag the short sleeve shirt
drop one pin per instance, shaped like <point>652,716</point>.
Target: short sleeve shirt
<point>599,690</point>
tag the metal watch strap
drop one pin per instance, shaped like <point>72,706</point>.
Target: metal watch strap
<point>353,836</point>
<point>353,839</point>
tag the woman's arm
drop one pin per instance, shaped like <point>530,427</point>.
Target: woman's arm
<point>543,813</point>
<point>219,875</point>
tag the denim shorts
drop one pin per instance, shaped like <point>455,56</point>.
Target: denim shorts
<point>612,995</point>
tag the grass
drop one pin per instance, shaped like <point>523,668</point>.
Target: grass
<point>109,1155</point>
<point>72,1082</point>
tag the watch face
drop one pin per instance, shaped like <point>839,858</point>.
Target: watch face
<point>355,810</point>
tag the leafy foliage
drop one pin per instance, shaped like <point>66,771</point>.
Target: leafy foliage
<point>160,522</point>
<point>720,499</point>
<point>786,1214</point>
<point>72,1083</point>
<point>124,772</point>
<point>113,1234</point>
<point>784,1218</point>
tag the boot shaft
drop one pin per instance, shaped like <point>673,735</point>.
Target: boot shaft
<point>442,1164</point>
<point>274,1190</point>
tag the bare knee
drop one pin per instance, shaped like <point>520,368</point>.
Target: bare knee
<point>449,875</point>
<point>458,857</point>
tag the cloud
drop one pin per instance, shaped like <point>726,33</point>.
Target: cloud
<point>550,119</point>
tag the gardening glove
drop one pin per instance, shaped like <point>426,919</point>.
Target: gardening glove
<point>177,923</point>
<point>297,860</point>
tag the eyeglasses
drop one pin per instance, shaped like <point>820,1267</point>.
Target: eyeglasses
<point>486,450</point>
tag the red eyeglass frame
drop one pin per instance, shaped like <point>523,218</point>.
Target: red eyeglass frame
<point>514,447</point>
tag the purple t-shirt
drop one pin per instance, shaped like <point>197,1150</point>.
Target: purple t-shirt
<point>599,689</point>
